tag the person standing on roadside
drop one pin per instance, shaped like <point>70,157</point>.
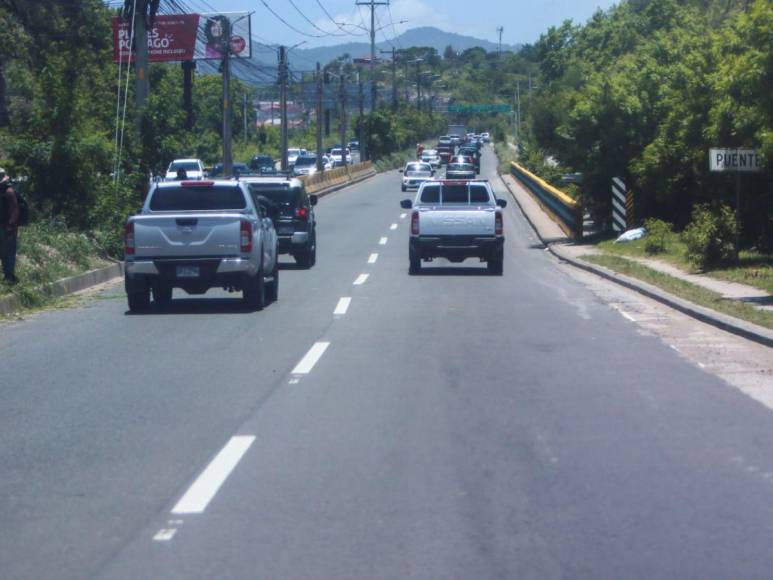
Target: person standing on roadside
<point>9,226</point>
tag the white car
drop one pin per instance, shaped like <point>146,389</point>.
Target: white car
<point>485,137</point>
<point>193,169</point>
<point>293,153</point>
<point>335,155</point>
<point>415,173</point>
<point>305,165</point>
<point>432,157</point>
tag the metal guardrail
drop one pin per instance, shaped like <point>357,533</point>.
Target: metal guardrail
<point>566,210</point>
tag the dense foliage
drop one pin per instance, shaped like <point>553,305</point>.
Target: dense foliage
<point>644,90</point>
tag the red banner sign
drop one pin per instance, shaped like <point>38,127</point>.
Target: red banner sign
<point>172,38</point>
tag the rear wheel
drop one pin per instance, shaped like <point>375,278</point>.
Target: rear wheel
<point>137,294</point>
<point>307,257</point>
<point>495,264</point>
<point>272,288</point>
<point>415,261</point>
<point>254,291</point>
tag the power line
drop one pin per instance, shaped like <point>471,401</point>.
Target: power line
<point>290,26</point>
<point>307,19</point>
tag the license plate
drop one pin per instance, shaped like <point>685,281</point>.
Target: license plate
<point>187,271</point>
<point>286,230</point>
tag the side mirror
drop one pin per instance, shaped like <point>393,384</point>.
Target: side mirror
<point>432,172</point>
<point>406,204</point>
<point>502,203</point>
<point>400,170</point>
<point>313,199</point>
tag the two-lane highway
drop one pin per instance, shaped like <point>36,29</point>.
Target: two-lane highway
<point>372,424</point>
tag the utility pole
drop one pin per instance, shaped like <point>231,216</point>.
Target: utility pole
<point>188,68</point>
<point>360,121</point>
<point>418,84</point>
<point>500,30</point>
<point>225,47</point>
<point>518,108</point>
<point>342,121</point>
<point>372,4</point>
<point>318,79</point>
<point>244,115</point>
<point>283,104</point>
<point>141,83</point>
<point>326,78</point>
<point>394,77</point>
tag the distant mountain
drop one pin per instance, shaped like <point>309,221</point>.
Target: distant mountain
<point>305,59</point>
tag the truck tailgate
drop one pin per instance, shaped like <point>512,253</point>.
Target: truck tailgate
<point>187,236</point>
<point>462,221</point>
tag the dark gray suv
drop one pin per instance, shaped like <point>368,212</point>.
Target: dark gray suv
<point>292,214</point>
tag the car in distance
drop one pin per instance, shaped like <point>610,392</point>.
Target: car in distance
<point>485,137</point>
<point>337,156</point>
<point>456,220</point>
<point>415,173</point>
<point>192,168</point>
<point>305,165</point>
<point>238,169</point>
<point>293,153</point>
<point>197,235</point>
<point>460,169</point>
<point>431,156</point>
<point>354,145</point>
<point>292,210</point>
<point>262,164</point>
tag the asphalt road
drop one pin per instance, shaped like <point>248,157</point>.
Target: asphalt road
<point>447,425</point>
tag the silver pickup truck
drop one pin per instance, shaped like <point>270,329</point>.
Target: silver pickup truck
<point>456,219</point>
<point>198,235</point>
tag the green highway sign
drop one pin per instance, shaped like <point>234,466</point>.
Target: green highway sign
<point>480,108</point>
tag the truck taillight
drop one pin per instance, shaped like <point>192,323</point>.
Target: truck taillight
<point>128,239</point>
<point>302,213</point>
<point>415,223</point>
<point>498,224</point>
<point>245,237</point>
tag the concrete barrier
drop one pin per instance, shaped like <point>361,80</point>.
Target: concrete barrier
<point>567,211</point>
<point>337,176</point>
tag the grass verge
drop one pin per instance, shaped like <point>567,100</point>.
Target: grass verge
<point>505,154</point>
<point>682,289</point>
<point>753,268</point>
<point>47,253</point>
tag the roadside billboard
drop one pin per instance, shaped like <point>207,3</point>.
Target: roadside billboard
<point>177,37</point>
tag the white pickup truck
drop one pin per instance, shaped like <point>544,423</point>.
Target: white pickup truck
<point>198,235</point>
<point>456,219</point>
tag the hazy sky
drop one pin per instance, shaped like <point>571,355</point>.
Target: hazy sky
<point>523,21</point>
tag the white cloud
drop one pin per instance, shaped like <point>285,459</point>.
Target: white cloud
<point>417,14</point>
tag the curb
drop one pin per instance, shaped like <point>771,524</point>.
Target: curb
<point>724,322</point>
<point>11,304</point>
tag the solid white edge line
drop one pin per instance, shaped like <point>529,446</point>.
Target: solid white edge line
<point>393,227</point>
<point>382,241</point>
<point>343,305</point>
<point>310,359</point>
<point>372,258</point>
<point>201,492</point>
<point>361,279</point>
<point>628,316</point>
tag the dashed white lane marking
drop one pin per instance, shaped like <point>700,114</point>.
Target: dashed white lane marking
<point>402,216</point>
<point>201,492</point>
<point>165,534</point>
<point>393,227</point>
<point>293,382</point>
<point>372,258</point>
<point>310,359</point>
<point>343,305</point>
<point>361,279</point>
<point>628,316</point>
<point>676,349</point>
<point>382,241</point>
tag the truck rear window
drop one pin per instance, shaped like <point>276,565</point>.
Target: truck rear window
<point>279,193</point>
<point>456,194</point>
<point>197,199</point>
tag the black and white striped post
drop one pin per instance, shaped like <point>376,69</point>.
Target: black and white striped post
<point>618,205</point>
